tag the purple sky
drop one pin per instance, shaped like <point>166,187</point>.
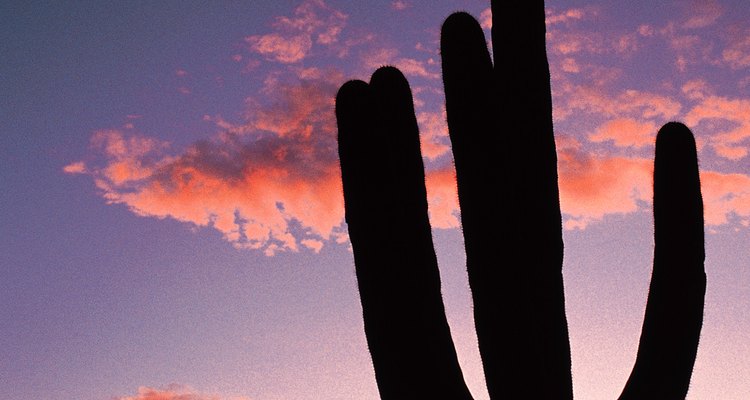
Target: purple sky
<point>172,220</point>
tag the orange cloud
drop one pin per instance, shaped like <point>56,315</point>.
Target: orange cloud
<point>174,392</point>
<point>626,132</point>
<point>730,152</point>
<point>592,186</point>
<point>442,197</point>
<point>270,183</point>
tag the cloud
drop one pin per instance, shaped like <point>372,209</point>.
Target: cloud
<point>564,16</point>
<point>376,58</point>
<point>592,186</point>
<point>399,5</point>
<point>313,22</point>
<point>628,103</point>
<point>626,132</point>
<point>726,196</point>
<point>313,244</point>
<point>78,167</point>
<point>737,54</point>
<point>269,183</point>
<point>572,42</point>
<point>129,157</point>
<point>724,121</point>
<point>174,392</point>
<point>485,18</point>
<point>442,197</point>
<point>703,13</point>
<point>433,130</point>
<point>570,65</point>
<point>696,89</point>
<point>688,46</point>
<point>566,41</point>
<point>284,49</point>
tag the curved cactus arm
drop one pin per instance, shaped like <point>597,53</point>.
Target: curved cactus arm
<point>500,124</point>
<point>386,212</point>
<point>674,311</point>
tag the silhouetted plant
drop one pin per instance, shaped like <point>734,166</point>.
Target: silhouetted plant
<point>500,123</point>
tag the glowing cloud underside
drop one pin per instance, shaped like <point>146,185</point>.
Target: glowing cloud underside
<point>271,181</point>
<point>175,392</point>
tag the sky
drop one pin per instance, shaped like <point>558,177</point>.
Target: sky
<point>172,217</point>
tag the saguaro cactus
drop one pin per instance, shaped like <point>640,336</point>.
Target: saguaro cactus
<point>500,123</point>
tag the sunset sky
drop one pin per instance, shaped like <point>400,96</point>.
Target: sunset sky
<point>171,208</point>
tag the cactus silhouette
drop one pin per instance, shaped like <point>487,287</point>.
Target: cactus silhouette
<point>500,124</point>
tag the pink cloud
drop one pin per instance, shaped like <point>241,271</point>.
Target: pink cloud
<point>703,13</point>
<point>570,65</point>
<point>564,16</point>
<point>174,392</point>
<point>485,18</point>
<point>442,197</point>
<point>726,196</point>
<point>399,5</point>
<point>271,181</point>
<point>646,30</point>
<point>293,37</point>
<point>627,43</point>
<point>250,181</point>
<point>626,132</point>
<point>314,244</point>
<point>730,152</point>
<point>411,67</point>
<point>737,54</point>
<point>78,167</point>
<point>571,42</point>
<point>696,89</point>
<point>726,123</point>
<point>284,49</point>
<point>689,48</point>
<point>433,130</point>
<point>592,186</point>
<point>628,103</point>
<point>567,41</point>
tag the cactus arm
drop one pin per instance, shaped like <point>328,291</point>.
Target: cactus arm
<point>674,311</point>
<point>500,124</point>
<point>386,212</point>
